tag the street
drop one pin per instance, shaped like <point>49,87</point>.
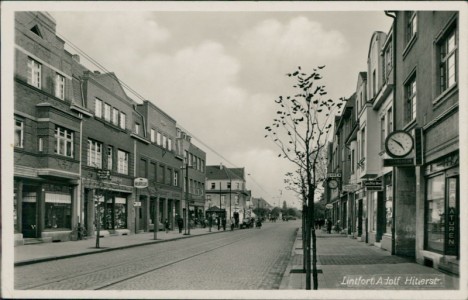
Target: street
<point>244,259</point>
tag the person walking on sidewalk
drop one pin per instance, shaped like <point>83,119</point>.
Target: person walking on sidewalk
<point>180,224</point>
<point>166,225</point>
<point>224,224</point>
<point>329,226</point>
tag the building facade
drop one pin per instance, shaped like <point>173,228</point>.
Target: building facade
<point>226,189</point>
<point>407,204</point>
<point>81,142</point>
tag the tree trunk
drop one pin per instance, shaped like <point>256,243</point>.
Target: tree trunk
<point>308,227</point>
<point>314,248</point>
<point>304,225</point>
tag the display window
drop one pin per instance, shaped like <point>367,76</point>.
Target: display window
<point>388,208</point>
<point>57,211</point>
<point>442,207</point>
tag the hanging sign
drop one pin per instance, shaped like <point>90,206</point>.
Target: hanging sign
<point>375,185</point>
<point>329,206</point>
<point>140,183</point>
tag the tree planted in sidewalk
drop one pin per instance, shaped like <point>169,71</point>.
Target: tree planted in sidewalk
<point>300,130</point>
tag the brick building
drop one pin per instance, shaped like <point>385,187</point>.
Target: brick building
<point>81,141</point>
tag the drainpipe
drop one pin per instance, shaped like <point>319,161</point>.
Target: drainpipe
<point>394,27</point>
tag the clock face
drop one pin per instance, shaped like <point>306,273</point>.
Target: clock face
<point>399,143</point>
<point>332,184</point>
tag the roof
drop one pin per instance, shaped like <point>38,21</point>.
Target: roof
<point>215,172</point>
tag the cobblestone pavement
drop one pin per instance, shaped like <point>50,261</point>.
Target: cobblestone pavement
<point>243,259</point>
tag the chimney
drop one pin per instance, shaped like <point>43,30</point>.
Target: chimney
<point>76,57</point>
<point>220,166</point>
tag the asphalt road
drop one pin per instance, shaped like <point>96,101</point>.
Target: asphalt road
<point>248,259</point>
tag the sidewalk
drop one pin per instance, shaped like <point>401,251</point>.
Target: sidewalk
<point>346,263</point>
<point>35,253</point>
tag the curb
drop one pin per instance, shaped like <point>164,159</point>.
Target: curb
<point>102,250</point>
<point>286,275</point>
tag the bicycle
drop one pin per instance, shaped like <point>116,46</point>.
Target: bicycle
<point>79,233</point>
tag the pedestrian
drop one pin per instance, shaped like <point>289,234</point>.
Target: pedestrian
<point>210,222</point>
<point>224,223</point>
<point>218,221</point>
<point>329,226</point>
<point>180,224</point>
<point>166,225</point>
<point>233,221</point>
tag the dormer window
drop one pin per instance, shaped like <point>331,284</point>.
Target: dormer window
<point>36,31</point>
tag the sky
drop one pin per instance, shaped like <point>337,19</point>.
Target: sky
<point>218,73</point>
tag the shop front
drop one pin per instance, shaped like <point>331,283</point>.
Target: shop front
<point>43,210</point>
<point>441,214</point>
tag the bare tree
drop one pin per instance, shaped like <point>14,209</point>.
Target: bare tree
<point>300,130</point>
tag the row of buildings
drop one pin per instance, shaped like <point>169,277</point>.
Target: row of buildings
<point>81,142</point>
<point>395,150</point>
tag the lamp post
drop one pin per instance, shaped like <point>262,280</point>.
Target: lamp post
<point>187,222</point>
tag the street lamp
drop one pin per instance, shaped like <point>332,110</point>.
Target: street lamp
<point>185,146</point>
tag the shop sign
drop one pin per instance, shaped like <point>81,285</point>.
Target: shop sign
<point>103,174</point>
<point>350,187</point>
<point>137,204</point>
<point>334,175</point>
<point>375,185</point>
<point>398,162</point>
<point>329,206</point>
<point>140,183</point>
<point>452,246</point>
<point>442,164</point>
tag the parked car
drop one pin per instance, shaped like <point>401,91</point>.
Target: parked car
<point>246,223</point>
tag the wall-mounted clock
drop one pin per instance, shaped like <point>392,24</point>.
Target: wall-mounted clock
<point>332,183</point>
<point>399,143</point>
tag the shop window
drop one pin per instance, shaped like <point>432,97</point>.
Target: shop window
<point>63,141</point>
<point>94,154</point>
<point>115,213</point>
<point>435,213</point>
<point>57,211</point>
<point>19,133</point>
<point>34,73</point>
<point>389,208</point>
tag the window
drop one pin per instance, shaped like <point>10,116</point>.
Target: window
<point>59,86</point>
<point>164,141</point>
<point>203,165</point>
<point>63,141</point>
<point>169,177</point>
<point>152,172</point>
<point>137,128</point>
<point>382,133</point>
<point>229,185</point>
<point>435,213</point>
<point>169,144</point>
<point>159,138</point>
<point>160,173</point>
<point>411,26</point>
<point>107,112</point>
<point>410,100</point>
<point>40,146</point>
<point>110,154</point>
<point>19,134</point>
<point>363,143</point>
<point>213,185</point>
<point>122,162</point>
<point>388,55</point>
<point>389,120</point>
<point>57,210</point>
<point>152,136</point>
<point>94,154</point>
<point>448,61</point>
<point>115,116</point>
<point>176,178</point>
<point>143,168</point>
<point>34,73</point>
<point>98,108</point>
<point>123,120</point>
<point>374,84</point>
<point>185,156</point>
<point>389,206</point>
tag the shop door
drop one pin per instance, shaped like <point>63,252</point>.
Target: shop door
<point>142,225</point>
<point>29,220</point>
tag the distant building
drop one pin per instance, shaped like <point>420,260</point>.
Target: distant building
<point>226,189</point>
